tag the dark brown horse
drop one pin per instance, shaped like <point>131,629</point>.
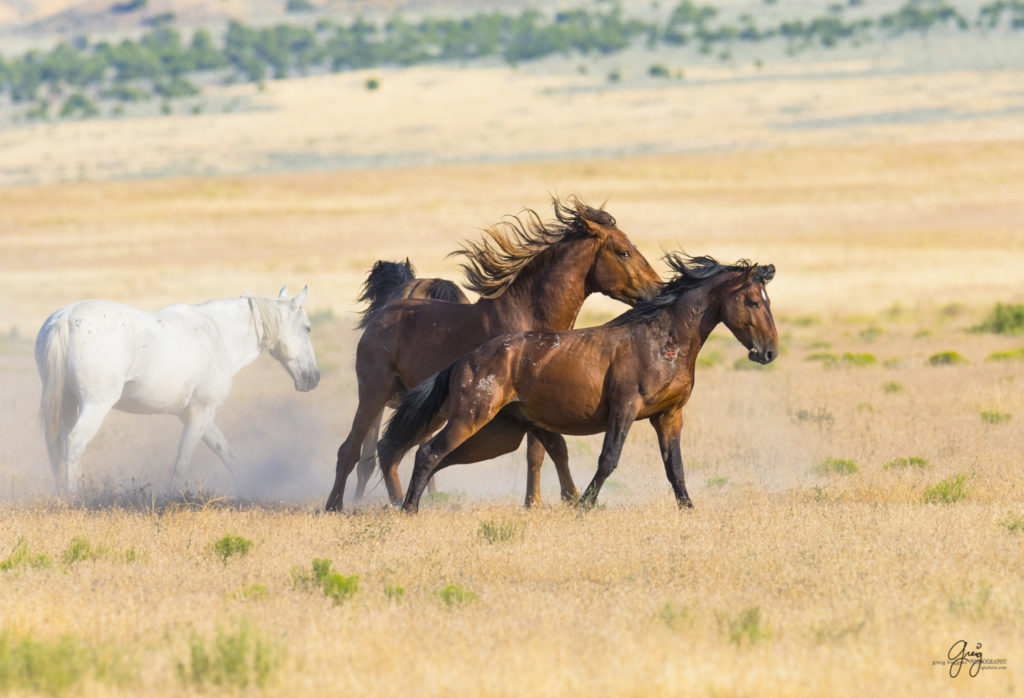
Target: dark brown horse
<point>530,275</point>
<point>386,282</point>
<point>638,366</point>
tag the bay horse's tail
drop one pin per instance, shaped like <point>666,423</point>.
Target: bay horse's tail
<point>411,422</point>
<point>381,283</point>
<point>51,360</point>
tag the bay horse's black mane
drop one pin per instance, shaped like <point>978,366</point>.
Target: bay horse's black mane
<point>493,264</point>
<point>690,273</point>
<point>380,283</point>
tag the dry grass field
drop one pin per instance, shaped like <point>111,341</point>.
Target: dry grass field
<point>858,503</point>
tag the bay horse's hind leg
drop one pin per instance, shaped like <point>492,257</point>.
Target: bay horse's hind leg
<point>538,441</point>
<point>367,457</point>
<point>371,403</point>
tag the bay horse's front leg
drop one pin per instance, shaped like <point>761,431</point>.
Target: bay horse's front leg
<point>537,442</point>
<point>668,425</point>
<point>367,457</point>
<point>622,418</point>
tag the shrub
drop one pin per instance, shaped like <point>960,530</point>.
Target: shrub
<point>229,546</point>
<point>893,387</point>
<point>1005,319</point>
<point>494,531</point>
<point>21,556</point>
<point>334,585</point>
<point>455,595</point>
<point>57,666</point>
<point>835,466</point>
<point>675,616</point>
<point>238,659</point>
<point>1014,523</point>
<point>946,358</point>
<point>80,549</point>
<point>717,481</point>
<point>994,417</point>
<point>372,84</point>
<point>912,462</point>
<point>823,356</point>
<point>1012,355</point>
<point>747,626</point>
<point>77,104</point>
<point>658,71</point>
<point>394,592</point>
<point>870,334</point>
<point>948,491</point>
<point>817,416</point>
<point>859,359</point>
<point>294,6</point>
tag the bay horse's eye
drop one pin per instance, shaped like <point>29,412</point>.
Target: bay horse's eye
<point>752,303</point>
<point>624,254</point>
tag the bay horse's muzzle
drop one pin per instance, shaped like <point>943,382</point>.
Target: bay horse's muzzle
<point>763,356</point>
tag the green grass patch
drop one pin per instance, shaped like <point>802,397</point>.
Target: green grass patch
<point>334,585</point>
<point>501,531</point>
<point>823,356</point>
<point>905,463</point>
<point>231,546</point>
<point>253,592</point>
<point>870,334</point>
<point>675,616</point>
<point>718,482</point>
<point>894,387</point>
<point>58,666</point>
<point>747,627</point>
<point>946,358</point>
<point>1012,355</point>
<point>21,556</point>
<point>994,417</point>
<point>852,359</point>
<point>1004,319</point>
<point>1014,523</point>
<point>835,466</point>
<point>455,595</point>
<point>806,320</point>
<point>393,592</point>
<point>80,550</point>
<point>948,491</point>
<point>237,659</point>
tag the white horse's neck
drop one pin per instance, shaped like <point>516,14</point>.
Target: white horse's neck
<point>243,327</point>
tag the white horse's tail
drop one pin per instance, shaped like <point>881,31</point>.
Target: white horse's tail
<point>51,360</point>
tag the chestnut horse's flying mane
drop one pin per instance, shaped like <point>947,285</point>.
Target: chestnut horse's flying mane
<point>493,264</point>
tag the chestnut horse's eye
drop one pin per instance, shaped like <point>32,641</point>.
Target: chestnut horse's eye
<point>624,254</point>
<point>752,304</point>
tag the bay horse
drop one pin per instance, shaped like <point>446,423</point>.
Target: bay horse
<point>638,366</point>
<point>386,282</point>
<point>97,355</point>
<point>529,275</point>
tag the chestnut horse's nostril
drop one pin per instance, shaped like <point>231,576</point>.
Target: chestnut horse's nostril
<point>769,355</point>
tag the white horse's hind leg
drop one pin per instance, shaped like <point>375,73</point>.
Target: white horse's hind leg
<point>90,417</point>
<point>57,448</point>
<point>216,442</point>
<point>196,424</point>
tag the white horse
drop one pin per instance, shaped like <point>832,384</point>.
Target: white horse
<point>97,355</point>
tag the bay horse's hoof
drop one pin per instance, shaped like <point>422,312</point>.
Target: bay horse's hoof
<point>685,504</point>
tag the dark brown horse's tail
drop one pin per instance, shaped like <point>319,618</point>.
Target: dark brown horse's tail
<point>381,283</point>
<point>411,422</point>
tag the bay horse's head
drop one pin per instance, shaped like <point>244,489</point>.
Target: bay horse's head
<point>283,329</point>
<point>747,312</point>
<point>619,269</point>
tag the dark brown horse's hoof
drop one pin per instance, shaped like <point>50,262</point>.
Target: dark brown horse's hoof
<point>686,504</point>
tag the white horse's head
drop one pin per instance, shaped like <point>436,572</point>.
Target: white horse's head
<point>287,338</point>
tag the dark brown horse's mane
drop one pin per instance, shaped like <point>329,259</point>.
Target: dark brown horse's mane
<point>494,263</point>
<point>382,281</point>
<point>690,273</point>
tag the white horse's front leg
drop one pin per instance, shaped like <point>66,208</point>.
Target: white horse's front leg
<point>215,441</point>
<point>196,424</point>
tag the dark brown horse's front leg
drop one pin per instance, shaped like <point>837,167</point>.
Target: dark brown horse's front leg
<point>614,438</point>
<point>539,441</point>
<point>668,425</point>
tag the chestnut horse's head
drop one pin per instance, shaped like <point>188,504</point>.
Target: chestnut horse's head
<point>618,270</point>
<point>747,311</point>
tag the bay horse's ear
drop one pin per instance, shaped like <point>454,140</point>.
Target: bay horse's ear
<point>301,298</point>
<point>596,229</point>
<point>283,292</point>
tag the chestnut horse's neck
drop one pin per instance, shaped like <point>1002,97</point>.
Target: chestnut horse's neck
<point>549,292</point>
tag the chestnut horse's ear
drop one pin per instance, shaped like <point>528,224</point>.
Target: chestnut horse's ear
<point>596,229</point>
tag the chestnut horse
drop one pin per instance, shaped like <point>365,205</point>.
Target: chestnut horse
<point>530,275</point>
<point>638,366</point>
<point>386,282</point>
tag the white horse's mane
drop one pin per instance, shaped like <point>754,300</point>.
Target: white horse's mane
<point>266,319</point>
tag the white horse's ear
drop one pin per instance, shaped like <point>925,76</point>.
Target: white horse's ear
<point>301,298</point>
<point>283,292</point>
